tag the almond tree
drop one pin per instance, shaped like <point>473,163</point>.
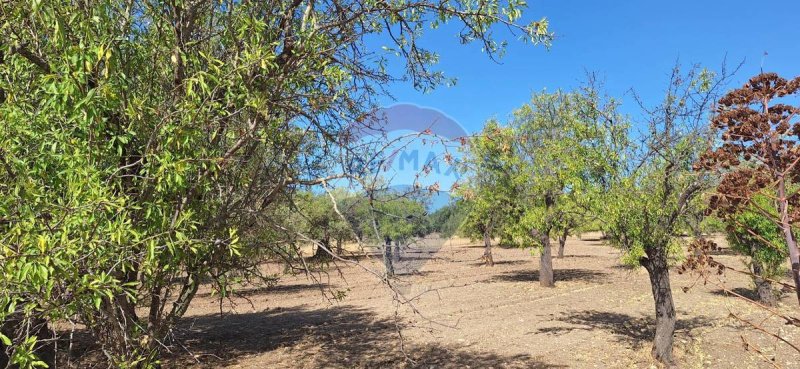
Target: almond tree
<point>566,144</point>
<point>489,186</point>
<point>758,155</point>
<point>656,190</point>
<point>147,144</point>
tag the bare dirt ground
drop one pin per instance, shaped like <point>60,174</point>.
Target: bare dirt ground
<point>463,315</point>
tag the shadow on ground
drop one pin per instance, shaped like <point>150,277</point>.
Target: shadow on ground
<point>335,337</point>
<point>585,275</point>
<point>416,273</point>
<point>634,331</point>
<point>278,288</point>
<point>503,262</point>
<point>746,292</point>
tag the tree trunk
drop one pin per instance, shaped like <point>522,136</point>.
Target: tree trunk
<point>658,270</point>
<point>321,253</point>
<point>766,295</point>
<point>387,257</point>
<point>562,241</point>
<point>487,249</point>
<point>786,227</point>
<point>339,250</point>
<point>546,262</point>
<point>396,254</point>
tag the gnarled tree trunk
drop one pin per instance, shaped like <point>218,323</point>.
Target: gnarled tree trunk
<point>562,241</point>
<point>322,252</point>
<point>387,257</point>
<point>396,254</point>
<point>487,249</point>
<point>658,270</point>
<point>766,294</point>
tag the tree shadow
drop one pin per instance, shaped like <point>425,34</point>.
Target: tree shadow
<point>276,289</point>
<point>625,267</point>
<point>585,275</point>
<point>336,337</point>
<point>633,331</point>
<point>746,292</point>
<point>415,272</point>
<point>475,246</point>
<point>503,262</point>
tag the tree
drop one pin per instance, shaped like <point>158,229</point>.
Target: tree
<point>567,146</point>
<point>570,222</point>
<point>396,217</point>
<point>758,155</point>
<point>148,146</point>
<point>653,194</point>
<point>758,236</point>
<point>447,220</point>
<point>323,223</point>
<point>489,186</point>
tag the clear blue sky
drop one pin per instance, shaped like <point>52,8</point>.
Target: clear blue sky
<point>630,44</point>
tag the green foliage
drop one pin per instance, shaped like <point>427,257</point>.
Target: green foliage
<point>147,146</point>
<point>567,147</point>
<point>448,219</point>
<point>712,224</point>
<point>397,217</point>
<point>322,221</point>
<point>757,235</point>
<point>489,189</point>
<point>651,199</point>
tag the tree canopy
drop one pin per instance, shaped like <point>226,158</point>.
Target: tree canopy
<point>147,145</point>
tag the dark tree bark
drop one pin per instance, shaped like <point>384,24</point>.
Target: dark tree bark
<point>658,270</point>
<point>766,294</point>
<point>487,248</point>
<point>387,257</point>
<point>321,253</point>
<point>396,254</point>
<point>339,250</point>
<point>562,241</point>
<point>546,278</point>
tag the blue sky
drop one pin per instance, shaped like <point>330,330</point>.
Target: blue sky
<point>630,44</point>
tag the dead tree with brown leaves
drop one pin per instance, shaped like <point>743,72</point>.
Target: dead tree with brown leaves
<point>758,154</point>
